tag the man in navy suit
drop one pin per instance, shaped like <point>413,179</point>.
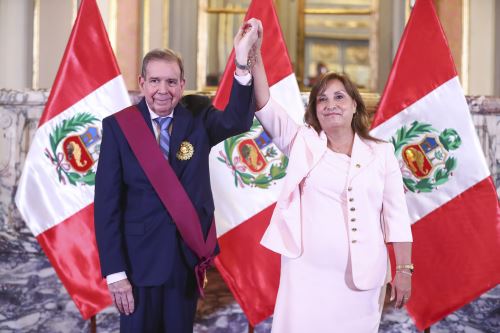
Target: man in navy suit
<point>147,264</point>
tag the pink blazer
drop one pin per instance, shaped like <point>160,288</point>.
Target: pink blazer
<point>376,206</point>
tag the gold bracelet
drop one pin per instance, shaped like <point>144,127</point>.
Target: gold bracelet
<point>409,267</point>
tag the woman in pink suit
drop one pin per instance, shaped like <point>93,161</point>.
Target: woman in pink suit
<point>341,203</point>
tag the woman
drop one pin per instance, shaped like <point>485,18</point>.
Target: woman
<point>341,203</point>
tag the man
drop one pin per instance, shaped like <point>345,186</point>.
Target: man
<point>145,256</point>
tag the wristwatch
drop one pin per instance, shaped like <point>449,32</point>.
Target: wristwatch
<point>245,67</point>
<point>409,267</point>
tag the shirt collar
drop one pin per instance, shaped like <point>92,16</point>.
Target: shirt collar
<point>154,115</point>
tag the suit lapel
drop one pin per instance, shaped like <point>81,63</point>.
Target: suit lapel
<point>143,107</point>
<point>306,153</point>
<point>181,124</point>
<point>309,150</point>
<point>362,156</point>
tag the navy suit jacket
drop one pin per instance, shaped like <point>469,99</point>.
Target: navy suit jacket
<point>134,231</point>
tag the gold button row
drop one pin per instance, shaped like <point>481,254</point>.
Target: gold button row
<point>352,209</point>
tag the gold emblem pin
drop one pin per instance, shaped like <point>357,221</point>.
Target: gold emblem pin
<point>185,152</point>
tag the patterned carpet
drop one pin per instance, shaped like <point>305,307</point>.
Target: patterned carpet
<point>219,313</point>
<point>32,299</point>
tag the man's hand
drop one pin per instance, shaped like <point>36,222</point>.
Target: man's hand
<point>121,293</point>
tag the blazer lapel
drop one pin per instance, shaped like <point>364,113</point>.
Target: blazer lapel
<point>143,107</point>
<point>362,156</point>
<point>306,152</point>
<point>181,124</point>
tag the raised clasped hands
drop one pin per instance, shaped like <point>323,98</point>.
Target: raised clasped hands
<point>248,41</point>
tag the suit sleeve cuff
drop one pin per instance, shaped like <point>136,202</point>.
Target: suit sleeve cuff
<point>244,80</point>
<point>115,277</point>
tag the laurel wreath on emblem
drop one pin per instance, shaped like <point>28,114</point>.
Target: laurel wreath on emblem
<point>60,132</point>
<point>241,178</point>
<point>449,139</point>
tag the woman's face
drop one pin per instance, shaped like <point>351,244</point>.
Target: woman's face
<point>334,107</point>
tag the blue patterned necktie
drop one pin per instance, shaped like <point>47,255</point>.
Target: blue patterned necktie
<point>164,135</point>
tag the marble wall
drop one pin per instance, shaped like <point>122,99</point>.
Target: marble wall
<point>33,300</point>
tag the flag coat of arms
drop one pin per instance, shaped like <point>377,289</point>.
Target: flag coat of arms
<point>450,193</point>
<point>56,190</point>
<point>246,174</point>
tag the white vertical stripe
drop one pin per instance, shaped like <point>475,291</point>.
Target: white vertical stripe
<point>234,205</point>
<point>41,198</point>
<point>443,108</point>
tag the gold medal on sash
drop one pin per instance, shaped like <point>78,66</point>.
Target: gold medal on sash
<point>185,152</point>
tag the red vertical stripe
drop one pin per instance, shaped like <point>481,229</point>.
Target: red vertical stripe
<point>88,62</point>
<point>72,251</point>
<point>423,62</point>
<point>250,270</point>
<point>455,251</point>
<point>456,247</point>
<point>274,51</point>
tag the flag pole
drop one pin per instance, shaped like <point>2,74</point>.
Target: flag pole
<point>93,326</point>
<point>250,328</point>
<point>427,330</point>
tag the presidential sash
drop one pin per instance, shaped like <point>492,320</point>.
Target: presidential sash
<point>169,189</point>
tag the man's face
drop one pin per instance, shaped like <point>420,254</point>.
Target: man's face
<point>162,87</point>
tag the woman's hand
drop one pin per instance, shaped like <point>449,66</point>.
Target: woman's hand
<point>401,288</point>
<point>254,54</point>
<point>247,39</point>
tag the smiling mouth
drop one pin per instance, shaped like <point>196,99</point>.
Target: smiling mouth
<point>163,101</point>
<point>328,114</point>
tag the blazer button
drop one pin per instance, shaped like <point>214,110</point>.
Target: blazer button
<point>349,188</point>
<point>353,241</point>
<point>353,219</point>
<point>354,229</point>
<point>353,209</point>
<point>351,199</point>
<point>358,165</point>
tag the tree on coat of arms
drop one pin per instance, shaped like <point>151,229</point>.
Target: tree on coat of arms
<point>426,155</point>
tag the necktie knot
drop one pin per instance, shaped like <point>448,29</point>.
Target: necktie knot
<point>163,122</point>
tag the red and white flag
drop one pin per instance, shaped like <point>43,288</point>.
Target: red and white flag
<point>56,190</point>
<point>451,197</point>
<point>246,174</point>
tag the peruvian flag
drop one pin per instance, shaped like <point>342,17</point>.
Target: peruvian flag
<point>56,190</point>
<point>450,194</point>
<point>246,173</point>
